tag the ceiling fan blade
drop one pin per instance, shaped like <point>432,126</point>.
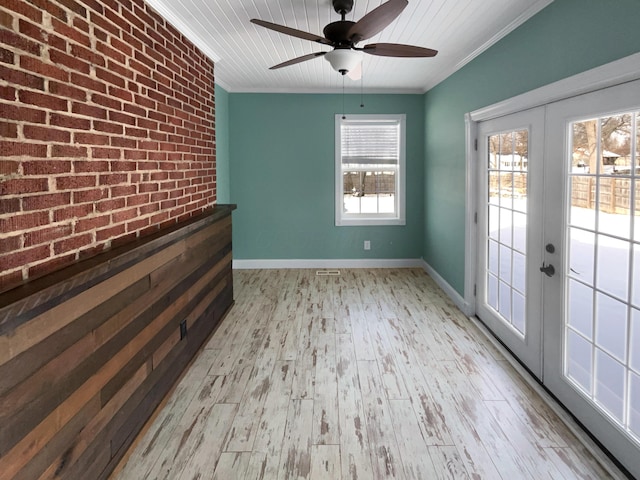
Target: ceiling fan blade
<point>291,31</point>
<point>301,59</point>
<point>376,20</point>
<point>397,50</point>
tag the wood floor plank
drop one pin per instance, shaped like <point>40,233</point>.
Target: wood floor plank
<point>325,399</point>
<point>231,465</point>
<point>448,464</point>
<point>384,449</point>
<point>325,462</point>
<point>206,453</point>
<point>414,453</point>
<point>384,380</point>
<point>354,439</point>
<point>295,459</point>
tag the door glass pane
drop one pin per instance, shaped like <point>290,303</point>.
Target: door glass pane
<point>581,308</point>
<point>580,360</point>
<point>610,384</point>
<point>507,225</point>
<point>611,326</point>
<point>613,266</point>
<point>602,330</point>
<point>581,254</point>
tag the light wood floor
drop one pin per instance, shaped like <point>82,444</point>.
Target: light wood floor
<point>372,374</point>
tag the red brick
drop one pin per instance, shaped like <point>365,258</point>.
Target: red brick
<point>84,196</point>
<point>92,223</point>
<point>73,211</point>
<point>71,33</point>
<point>68,151</point>
<point>109,77</point>
<point>123,191</point>
<point>8,130</point>
<point>110,205</point>
<point>9,205</point>
<point>21,78</point>
<point>23,257</point>
<point>90,166</point>
<point>123,142</point>
<point>90,56</point>
<point>119,69</point>
<point>7,92</point>
<point>137,200</point>
<point>43,100</point>
<point>67,121</point>
<point>70,61</point>
<point>106,101</point>
<point>89,110</point>
<point>108,127</point>
<point>6,56</point>
<point>135,155</point>
<point>10,244</point>
<point>23,8</point>
<point>18,41</point>
<point>121,118</point>
<point>17,149</point>
<point>22,222</point>
<point>149,208</point>
<point>109,233</point>
<point>90,139</point>
<point>136,132</point>
<point>88,83</point>
<point>46,134</point>
<point>72,243</point>
<point>138,224</point>
<point>68,91</point>
<point>44,202</point>
<point>106,153</point>
<point>124,215</point>
<point>123,166</point>
<point>113,179</point>
<point>121,94</point>
<point>110,52</point>
<point>94,5</point>
<point>75,182</point>
<point>46,167</point>
<point>46,235</point>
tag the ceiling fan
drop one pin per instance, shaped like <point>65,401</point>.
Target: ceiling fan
<point>343,36</point>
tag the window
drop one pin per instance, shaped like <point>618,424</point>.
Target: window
<point>370,177</point>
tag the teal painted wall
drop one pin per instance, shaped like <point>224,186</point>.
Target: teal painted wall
<point>223,180</point>
<point>282,148</point>
<point>566,38</point>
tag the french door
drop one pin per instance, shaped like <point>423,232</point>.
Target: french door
<point>592,305</point>
<point>558,244</point>
<point>509,231</point>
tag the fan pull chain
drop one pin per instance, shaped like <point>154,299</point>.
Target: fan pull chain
<point>343,115</point>
<point>362,86</point>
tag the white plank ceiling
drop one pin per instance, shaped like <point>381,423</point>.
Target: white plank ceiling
<point>243,52</point>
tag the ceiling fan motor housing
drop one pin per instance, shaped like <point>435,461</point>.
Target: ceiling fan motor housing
<point>342,7</point>
<point>338,33</point>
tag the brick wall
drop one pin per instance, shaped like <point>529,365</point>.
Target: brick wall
<point>107,130</point>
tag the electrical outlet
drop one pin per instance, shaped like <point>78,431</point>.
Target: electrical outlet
<point>367,244</point>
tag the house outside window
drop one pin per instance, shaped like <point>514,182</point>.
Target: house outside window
<point>370,170</point>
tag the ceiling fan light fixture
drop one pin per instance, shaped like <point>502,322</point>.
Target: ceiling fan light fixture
<point>344,60</point>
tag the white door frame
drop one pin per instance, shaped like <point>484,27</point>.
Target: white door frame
<point>615,73</point>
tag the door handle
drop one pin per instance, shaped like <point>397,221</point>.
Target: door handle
<point>548,270</point>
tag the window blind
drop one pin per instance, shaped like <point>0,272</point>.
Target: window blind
<point>370,142</point>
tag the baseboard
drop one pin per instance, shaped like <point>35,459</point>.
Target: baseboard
<point>460,302</point>
<point>327,263</point>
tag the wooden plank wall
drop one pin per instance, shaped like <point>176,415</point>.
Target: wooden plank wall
<point>87,353</point>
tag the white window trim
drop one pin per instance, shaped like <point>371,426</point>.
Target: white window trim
<point>373,219</point>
